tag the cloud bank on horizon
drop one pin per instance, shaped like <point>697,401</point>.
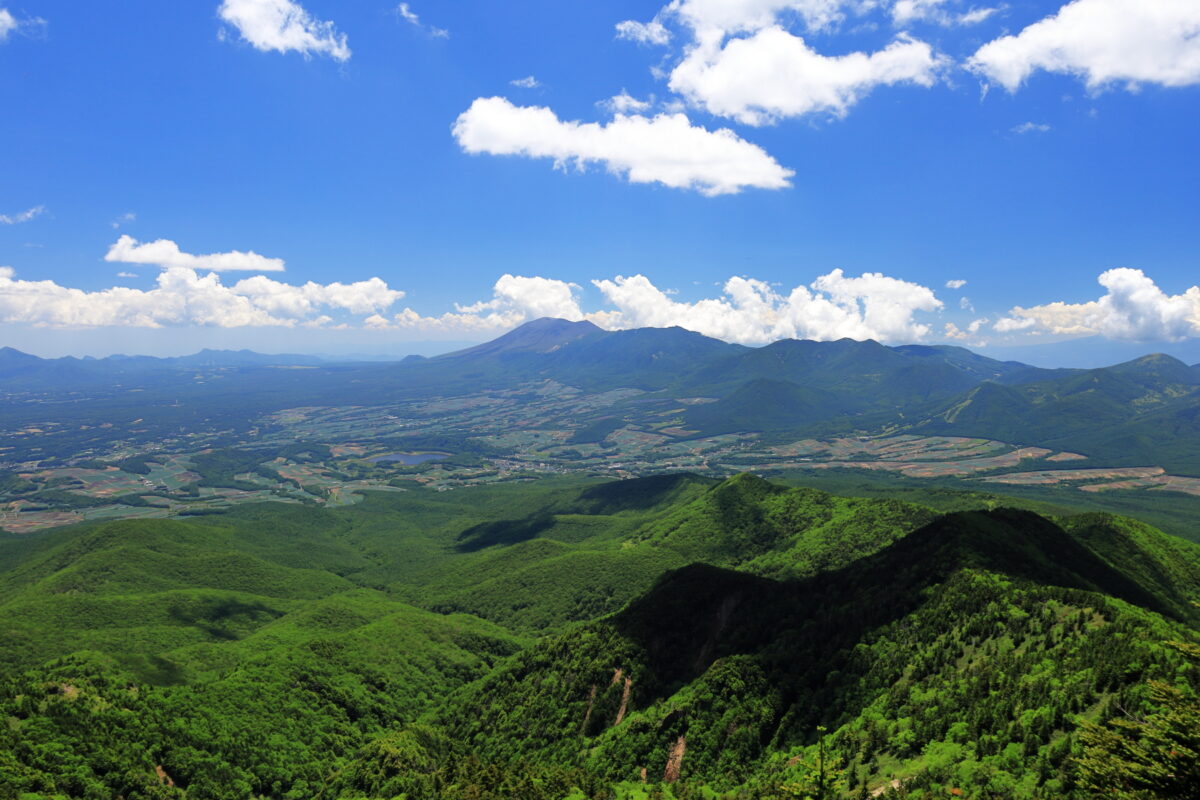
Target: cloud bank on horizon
<point>747,311</point>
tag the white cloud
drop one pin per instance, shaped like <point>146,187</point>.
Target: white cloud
<point>126,274</point>
<point>528,82</point>
<point>652,32</point>
<point>624,103</point>
<point>664,149</point>
<point>711,19</point>
<point>743,61</point>
<point>165,253</point>
<point>1030,127</point>
<point>1102,42</point>
<point>957,283</point>
<point>183,297</point>
<point>8,24</point>
<point>905,12</point>
<point>952,331</point>
<point>977,15</point>
<point>284,26</point>
<point>534,297</point>
<point>774,74</point>
<point>410,16</point>
<point>515,299</point>
<point>124,219</point>
<point>23,216</point>
<point>872,306</point>
<point>1134,308</point>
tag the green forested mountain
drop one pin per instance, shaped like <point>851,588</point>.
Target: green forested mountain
<point>1145,411</point>
<point>670,636</point>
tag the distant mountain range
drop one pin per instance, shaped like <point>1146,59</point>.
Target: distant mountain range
<point>22,369</point>
<point>1145,411</point>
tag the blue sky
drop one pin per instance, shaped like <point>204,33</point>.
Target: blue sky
<point>839,161</point>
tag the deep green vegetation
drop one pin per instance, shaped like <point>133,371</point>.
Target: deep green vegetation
<point>665,637</point>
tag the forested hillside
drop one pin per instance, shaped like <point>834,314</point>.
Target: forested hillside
<point>670,636</point>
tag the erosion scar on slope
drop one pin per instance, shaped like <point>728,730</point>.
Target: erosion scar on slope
<point>675,760</point>
<point>624,700</point>
<point>587,716</point>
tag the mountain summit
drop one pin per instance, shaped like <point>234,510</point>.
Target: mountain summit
<point>543,335</point>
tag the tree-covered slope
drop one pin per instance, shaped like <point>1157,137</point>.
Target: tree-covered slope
<point>962,655</point>
<point>552,640</point>
<point>1145,411</point>
<point>760,527</point>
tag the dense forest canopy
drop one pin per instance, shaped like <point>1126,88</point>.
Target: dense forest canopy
<point>668,637</point>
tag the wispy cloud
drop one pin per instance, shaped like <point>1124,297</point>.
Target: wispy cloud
<point>652,32</point>
<point>405,12</point>
<point>10,24</point>
<point>23,216</point>
<point>1030,127</point>
<point>124,219</point>
<point>528,82</point>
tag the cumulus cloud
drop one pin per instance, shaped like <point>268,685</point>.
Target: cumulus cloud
<point>957,283</point>
<point>1102,42</point>
<point>165,253</point>
<point>23,216</point>
<point>664,149</point>
<point>1030,127</point>
<point>515,299</point>
<point>743,61</point>
<point>181,296</point>
<point>774,74</point>
<point>834,306</point>
<point>1133,308</point>
<point>652,32</point>
<point>284,26</point>
<point>408,15</point>
<point>126,274</point>
<point>528,82</point>
<point>871,306</point>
